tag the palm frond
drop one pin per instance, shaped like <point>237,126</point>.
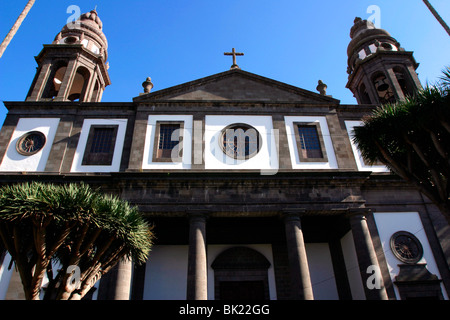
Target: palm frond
<point>81,225</point>
<point>445,78</point>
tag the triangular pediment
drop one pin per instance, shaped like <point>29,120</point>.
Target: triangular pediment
<point>236,85</point>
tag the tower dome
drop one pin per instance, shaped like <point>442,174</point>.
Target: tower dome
<point>74,66</point>
<point>379,70</point>
<point>86,30</point>
<point>366,40</point>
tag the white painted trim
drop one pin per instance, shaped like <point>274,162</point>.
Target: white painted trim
<point>13,161</point>
<point>118,148</point>
<point>357,154</point>
<point>267,158</point>
<point>148,163</point>
<point>390,222</point>
<point>295,159</point>
<point>5,276</point>
<point>352,267</point>
<point>320,264</point>
<point>166,273</point>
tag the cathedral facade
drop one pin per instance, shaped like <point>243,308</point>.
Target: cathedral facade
<point>254,187</point>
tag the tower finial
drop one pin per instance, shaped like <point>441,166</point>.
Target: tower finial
<point>148,85</point>
<point>322,88</point>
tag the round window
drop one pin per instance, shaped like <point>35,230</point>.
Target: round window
<point>406,247</point>
<point>240,141</point>
<point>30,143</point>
<point>386,46</point>
<point>70,40</point>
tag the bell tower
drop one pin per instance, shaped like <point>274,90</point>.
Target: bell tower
<point>74,67</point>
<point>380,71</point>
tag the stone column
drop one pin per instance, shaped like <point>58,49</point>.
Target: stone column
<point>298,262</point>
<point>40,84</point>
<point>197,264</point>
<point>122,287</point>
<point>397,90</point>
<point>67,81</point>
<point>367,256</point>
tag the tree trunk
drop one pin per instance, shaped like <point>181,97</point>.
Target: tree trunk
<point>437,16</point>
<point>15,27</point>
<point>445,210</point>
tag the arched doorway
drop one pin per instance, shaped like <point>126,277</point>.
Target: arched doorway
<point>240,273</point>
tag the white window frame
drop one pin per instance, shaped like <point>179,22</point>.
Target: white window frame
<point>118,147</point>
<point>266,160</point>
<point>13,161</point>
<point>350,124</point>
<point>150,140</point>
<point>290,122</point>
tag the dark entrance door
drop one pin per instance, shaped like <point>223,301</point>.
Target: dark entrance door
<point>242,290</point>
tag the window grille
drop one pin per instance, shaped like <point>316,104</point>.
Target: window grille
<point>309,142</point>
<point>100,145</point>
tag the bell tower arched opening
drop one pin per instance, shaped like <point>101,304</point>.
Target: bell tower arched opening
<point>377,63</point>
<point>54,80</point>
<point>383,88</point>
<point>74,66</point>
<point>364,97</point>
<point>80,81</point>
<point>404,80</point>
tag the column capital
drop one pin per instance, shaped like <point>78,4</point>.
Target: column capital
<point>197,213</point>
<point>290,214</point>
<point>357,213</point>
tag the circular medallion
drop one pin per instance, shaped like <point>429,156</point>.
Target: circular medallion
<point>240,141</point>
<point>30,143</point>
<point>406,247</point>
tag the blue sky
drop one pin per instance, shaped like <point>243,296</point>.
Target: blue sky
<point>175,41</point>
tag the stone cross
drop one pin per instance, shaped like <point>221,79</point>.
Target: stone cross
<point>234,54</point>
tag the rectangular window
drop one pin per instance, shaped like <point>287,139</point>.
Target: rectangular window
<point>168,141</point>
<point>309,142</point>
<point>100,145</point>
